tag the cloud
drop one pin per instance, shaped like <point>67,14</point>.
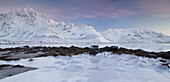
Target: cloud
<point>154,8</point>
<point>95,9</point>
<point>161,15</point>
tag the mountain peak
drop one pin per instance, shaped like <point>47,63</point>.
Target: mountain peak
<point>27,9</point>
<point>27,25</point>
<point>25,12</point>
<point>129,29</point>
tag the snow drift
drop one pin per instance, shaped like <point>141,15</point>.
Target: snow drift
<point>104,67</point>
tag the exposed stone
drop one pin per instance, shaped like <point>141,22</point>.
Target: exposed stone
<point>165,55</point>
<point>31,52</point>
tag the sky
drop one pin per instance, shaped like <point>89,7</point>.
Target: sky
<point>101,14</point>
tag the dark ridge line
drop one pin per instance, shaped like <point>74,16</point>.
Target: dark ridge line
<point>69,51</point>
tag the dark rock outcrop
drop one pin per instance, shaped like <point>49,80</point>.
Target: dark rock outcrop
<point>31,52</point>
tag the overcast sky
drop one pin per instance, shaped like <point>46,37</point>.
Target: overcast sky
<point>102,14</point>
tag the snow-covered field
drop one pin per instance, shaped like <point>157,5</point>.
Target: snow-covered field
<point>105,67</point>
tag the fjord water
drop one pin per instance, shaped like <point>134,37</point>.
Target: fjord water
<point>147,47</point>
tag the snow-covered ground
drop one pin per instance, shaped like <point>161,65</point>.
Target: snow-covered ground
<point>105,67</point>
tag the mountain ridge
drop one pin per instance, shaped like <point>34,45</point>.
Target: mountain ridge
<point>135,35</point>
<point>28,26</point>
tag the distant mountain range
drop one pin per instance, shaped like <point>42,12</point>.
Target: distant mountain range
<point>135,35</point>
<point>28,26</point>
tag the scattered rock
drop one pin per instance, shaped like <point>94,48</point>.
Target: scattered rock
<point>30,60</point>
<point>32,52</point>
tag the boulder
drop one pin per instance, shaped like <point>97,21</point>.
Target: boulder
<point>165,55</point>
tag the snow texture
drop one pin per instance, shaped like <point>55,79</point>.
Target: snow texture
<point>26,25</point>
<point>105,67</point>
<point>135,35</point>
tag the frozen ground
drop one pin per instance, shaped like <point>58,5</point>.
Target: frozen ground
<point>10,70</point>
<point>104,67</point>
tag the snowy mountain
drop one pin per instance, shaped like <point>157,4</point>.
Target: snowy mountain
<point>26,25</point>
<point>135,35</point>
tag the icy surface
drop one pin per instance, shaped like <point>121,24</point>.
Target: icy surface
<point>10,71</point>
<point>23,55</point>
<point>105,67</point>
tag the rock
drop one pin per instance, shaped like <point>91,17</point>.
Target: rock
<point>168,65</point>
<point>30,60</point>
<point>112,48</point>
<point>162,60</point>
<point>165,55</point>
<point>94,47</point>
<point>94,50</point>
<point>151,55</point>
<point>26,46</point>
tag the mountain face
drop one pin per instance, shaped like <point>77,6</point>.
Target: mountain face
<point>135,35</point>
<point>26,25</point>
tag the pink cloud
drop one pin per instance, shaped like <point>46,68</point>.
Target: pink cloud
<point>161,15</point>
<point>155,8</point>
<point>96,9</point>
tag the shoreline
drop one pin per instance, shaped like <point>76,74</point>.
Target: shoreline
<point>17,53</point>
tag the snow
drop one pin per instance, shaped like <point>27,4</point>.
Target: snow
<point>135,35</point>
<point>105,67</point>
<point>28,26</point>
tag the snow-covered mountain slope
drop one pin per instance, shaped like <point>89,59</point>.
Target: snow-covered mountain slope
<point>26,25</point>
<point>135,35</point>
